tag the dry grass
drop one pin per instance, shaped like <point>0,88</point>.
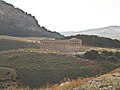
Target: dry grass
<point>103,82</point>
<point>65,85</point>
<point>109,81</point>
<point>69,85</point>
<point>115,71</point>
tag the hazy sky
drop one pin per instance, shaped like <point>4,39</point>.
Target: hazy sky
<point>72,15</point>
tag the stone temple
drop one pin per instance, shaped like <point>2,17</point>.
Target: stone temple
<point>73,45</point>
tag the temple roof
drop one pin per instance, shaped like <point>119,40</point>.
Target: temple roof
<point>75,39</point>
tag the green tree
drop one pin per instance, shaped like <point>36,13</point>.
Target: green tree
<point>93,54</point>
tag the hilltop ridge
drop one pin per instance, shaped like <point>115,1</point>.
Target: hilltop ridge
<point>110,32</point>
<point>15,22</point>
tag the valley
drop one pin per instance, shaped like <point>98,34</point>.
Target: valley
<point>43,66</point>
<point>35,58</point>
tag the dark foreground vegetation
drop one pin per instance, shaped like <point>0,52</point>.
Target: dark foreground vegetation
<point>36,69</point>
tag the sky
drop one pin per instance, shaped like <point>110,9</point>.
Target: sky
<point>72,15</point>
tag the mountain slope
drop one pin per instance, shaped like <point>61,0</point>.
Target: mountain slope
<point>15,22</point>
<point>110,32</point>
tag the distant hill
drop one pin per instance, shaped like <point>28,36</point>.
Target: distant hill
<point>15,22</point>
<point>110,32</point>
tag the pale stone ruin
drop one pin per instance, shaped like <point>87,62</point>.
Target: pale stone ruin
<point>72,45</point>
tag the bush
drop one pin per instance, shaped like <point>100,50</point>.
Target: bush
<point>107,53</point>
<point>93,54</point>
<point>79,56</point>
<point>112,58</point>
<point>117,55</point>
<point>103,57</point>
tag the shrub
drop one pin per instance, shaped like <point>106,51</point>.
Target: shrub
<point>93,54</point>
<point>107,53</point>
<point>103,57</point>
<point>79,56</point>
<point>117,55</point>
<point>112,58</point>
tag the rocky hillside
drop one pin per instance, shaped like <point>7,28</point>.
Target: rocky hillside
<point>15,22</point>
<point>110,81</point>
<point>110,32</point>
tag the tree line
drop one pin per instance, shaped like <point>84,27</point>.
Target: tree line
<point>104,55</point>
<point>93,40</point>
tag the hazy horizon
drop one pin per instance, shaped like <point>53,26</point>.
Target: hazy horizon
<point>69,15</point>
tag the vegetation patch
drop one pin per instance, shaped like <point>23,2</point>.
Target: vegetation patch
<point>41,68</point>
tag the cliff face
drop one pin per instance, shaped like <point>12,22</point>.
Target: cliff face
<point>15,22</point>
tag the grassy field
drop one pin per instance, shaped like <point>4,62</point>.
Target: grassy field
<point>36,69</point>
